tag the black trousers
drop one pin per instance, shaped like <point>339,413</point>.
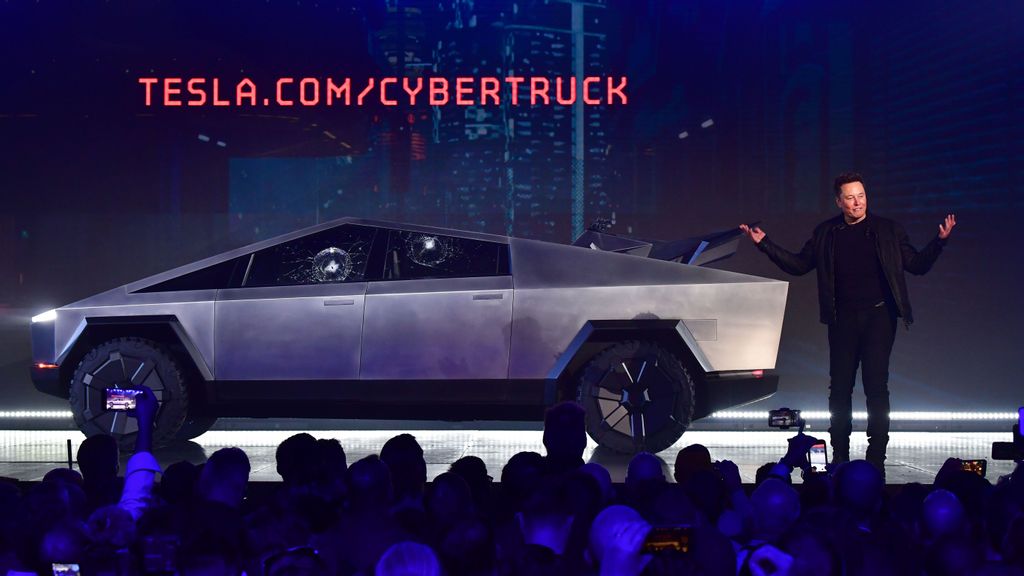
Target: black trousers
<point>861,337</point>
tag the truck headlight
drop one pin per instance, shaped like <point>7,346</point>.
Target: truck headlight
<point>48,316</point>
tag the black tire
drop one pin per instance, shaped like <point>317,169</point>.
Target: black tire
<point>194,427</point>
<point>638,397</point>
<point>128,362</point>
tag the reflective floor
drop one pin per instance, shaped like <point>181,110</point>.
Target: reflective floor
<point>913,456</point>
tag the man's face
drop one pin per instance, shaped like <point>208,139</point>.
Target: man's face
<point>853,201</point>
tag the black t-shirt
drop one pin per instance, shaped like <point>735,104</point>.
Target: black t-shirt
<point>860,282</point>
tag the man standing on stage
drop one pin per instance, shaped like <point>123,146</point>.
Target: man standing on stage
<point>860,259</point>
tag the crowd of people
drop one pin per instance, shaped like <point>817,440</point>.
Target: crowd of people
<point>551,513</point>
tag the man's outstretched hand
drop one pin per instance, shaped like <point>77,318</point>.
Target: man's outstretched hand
<point>755,234</point>
<point>946,227</point>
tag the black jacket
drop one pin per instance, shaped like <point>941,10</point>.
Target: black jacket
<point>894,250</point>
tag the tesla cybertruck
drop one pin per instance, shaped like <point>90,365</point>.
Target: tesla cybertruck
<point>365,319</point>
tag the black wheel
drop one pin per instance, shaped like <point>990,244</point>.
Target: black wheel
<point>128,362</point>
<point>638,397</point>
<point>194,427</point>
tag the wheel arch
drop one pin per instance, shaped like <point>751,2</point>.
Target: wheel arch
<point>165,329</point>
<point>597,335</point>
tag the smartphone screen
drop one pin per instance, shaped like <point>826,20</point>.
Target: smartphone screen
<point>665,538</point>
<point>818,457</point>
<point>60,569</point>
<point>979,467</point>
<point>120,399</point>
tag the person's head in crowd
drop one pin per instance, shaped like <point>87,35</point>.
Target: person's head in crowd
<point>212,539</point>
<point>942,515</point>
<point>604,481</point>
<point>707,491</point>
<point>520,475</point>
<point>71,491</point>
<point>295,561</point>
<point>297,459</point>
<point>473,470</point>
<point>468,548</point>
<point>98,458</point>
<point>404,458</point>
<point>333,461</point>
<point>66,475</point>
<point>112,527</point>
<point>565,435</point>
<point>269,531</point>
<point>971,490</point>
<point>644,468</point>
<point>906,506</point>
<point>224,477</point>
<point>690,460</point>
<point>449,501</point>
<point>763,473</point>
<point>46,503</point>
<point>178,482</point>
<point>408,559</point>
<point>775,506</point>
<point>672,507</point>
<point>1013,543</point>
<point>547,517</point>
<point>858,488</point>
<point>644,478</point>
<point>369,482</point>
<point>1005,505</point>
<point>66,542</point>
<point>816,491</point>
<point>607,545</point>
<point>813,553</point>
<point>952,556</point>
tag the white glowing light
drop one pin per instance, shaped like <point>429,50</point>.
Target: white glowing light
<point>894,416</point>
<point>41,414</point>
<point>429,243</point>
<point>48,316</point>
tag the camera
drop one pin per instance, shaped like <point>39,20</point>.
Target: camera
<point>784,418</point>
<point>120,399</point>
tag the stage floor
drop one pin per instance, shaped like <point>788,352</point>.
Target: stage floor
<point>913,456</point>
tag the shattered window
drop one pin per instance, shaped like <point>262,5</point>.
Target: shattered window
<point>338,254</point>
<point>417,255</point>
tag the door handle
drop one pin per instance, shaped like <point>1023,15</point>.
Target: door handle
<point>339,302</point>
<point>497,296</point>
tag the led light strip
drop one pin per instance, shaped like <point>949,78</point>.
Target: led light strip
<point>901,416</point>
<point>39,414</point>
<point>722,415</point>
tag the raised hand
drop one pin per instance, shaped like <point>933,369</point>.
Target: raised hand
<point>755,234</point>
<point>947,226</point>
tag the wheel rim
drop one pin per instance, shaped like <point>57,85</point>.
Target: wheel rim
<point>637,399</point>
<point>123,370</point>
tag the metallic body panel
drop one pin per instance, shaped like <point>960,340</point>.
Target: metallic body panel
<point>457,328</point>
<point>193,310</point>
<point>290,332</point>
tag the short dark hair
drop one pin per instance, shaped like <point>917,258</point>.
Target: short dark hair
<point>846,178</point>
